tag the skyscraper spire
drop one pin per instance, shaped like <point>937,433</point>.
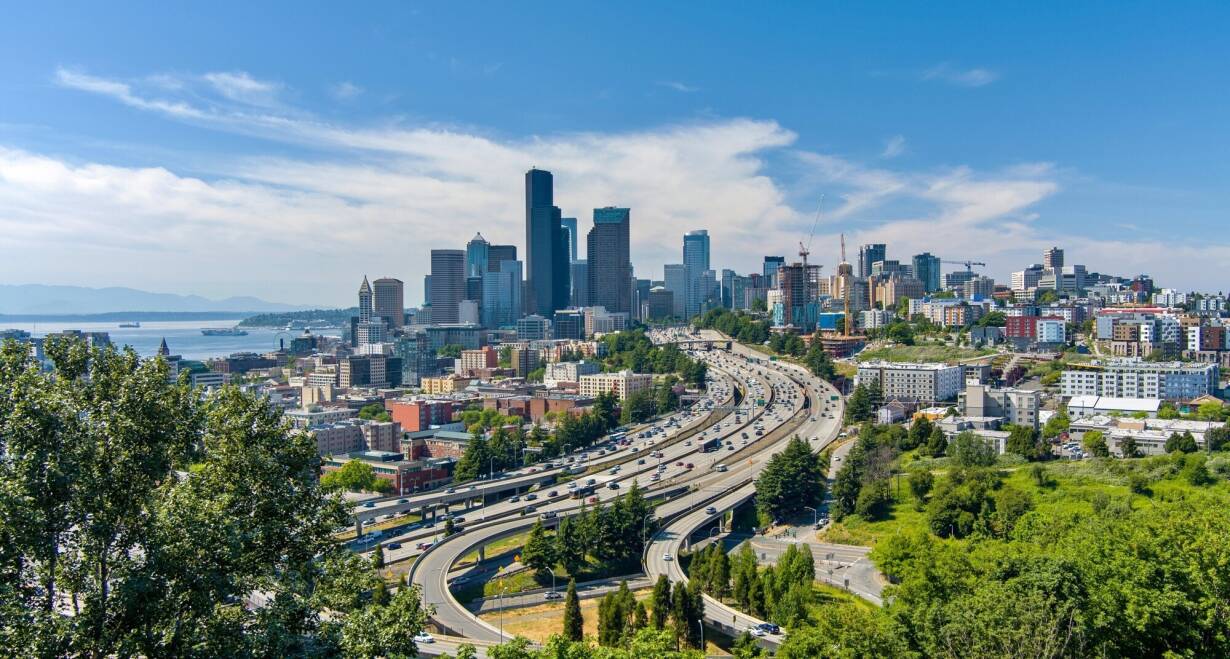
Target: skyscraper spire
<point>365,301</point>
<point>163,350</point>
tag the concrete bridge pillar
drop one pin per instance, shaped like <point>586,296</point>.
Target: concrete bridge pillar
<point>358,527</point>
<point>482,553</point>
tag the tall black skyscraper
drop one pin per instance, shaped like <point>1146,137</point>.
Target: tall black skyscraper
<point>546,247</point>
<point>610,266</point>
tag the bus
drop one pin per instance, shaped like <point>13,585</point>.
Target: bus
<point>582,492</point>
<point>617,436</point>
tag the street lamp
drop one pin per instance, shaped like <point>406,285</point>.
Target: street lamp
<point>552,579</point>
<point>815,516</point>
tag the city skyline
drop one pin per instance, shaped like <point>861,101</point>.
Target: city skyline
<point>182,164</point>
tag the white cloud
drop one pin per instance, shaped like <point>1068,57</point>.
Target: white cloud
<point>893,147</point>
<point>241,87</point>
<point>303,229</point>
<point>678,86</point>
<point>345,90</point>
<point>946,72</point>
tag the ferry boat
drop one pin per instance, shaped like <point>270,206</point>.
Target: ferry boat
<point>135,323</point>
<point>224,331</point>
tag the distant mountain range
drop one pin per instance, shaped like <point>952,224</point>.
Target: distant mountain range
<point>39,299</point>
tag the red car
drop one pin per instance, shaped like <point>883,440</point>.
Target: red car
<point>593,499</point>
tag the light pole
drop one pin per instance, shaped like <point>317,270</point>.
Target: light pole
<point>701,623</point>
<point>815,516</point>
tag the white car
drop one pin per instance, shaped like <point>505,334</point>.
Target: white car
<point>755,631</point>
<point>552,595</point>
<point>424,637</point>
<point>667,557</point>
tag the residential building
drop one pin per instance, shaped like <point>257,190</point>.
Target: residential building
<point>1149,434</point>
<point>920,383</point>
<point>559,372</point>
<point>1133,378</point>
<point>443,384</point>
<point>623,384</point>
<point>1015,406</point>
<point>416,414</point>
<point>476,360</point>
<point>524,360</point>
<point>448,285</point>
<point>381,436</point>
<point>610,264</point>
<point>979,288</point>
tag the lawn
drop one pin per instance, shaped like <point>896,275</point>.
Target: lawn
<point>922,353</point>
<point>1078,485</point>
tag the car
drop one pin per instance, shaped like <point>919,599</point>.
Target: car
<point>667,557</point>
<point>612,485</point>
<point>369,504</point>
<point>550,514</point>
<point>531,497</point>
<point>590,481</point>
<point>393,545</point>
<point>688,465</point>
<point>403,501</point>
<point>424,545</point>
<point>641,461</point>
<point>770,628</point>
<point>551,595</point>
<point>528,509</point>
<point>710,510</point>
<point>457,519</point>
<point>679,464</point>
<point>424,637</point>
<point>592,500</point>
<point>553,493</point>
<point>451,490</point>
<point>720,468</point>
<point>514,499</point>
<point>756,631</point>
<point>572,485</point>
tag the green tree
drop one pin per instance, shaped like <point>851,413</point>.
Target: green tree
<point>153,512</point>
<point>792,479</point>
<point>920,432</point>
<point>1184,443</point>
<point>661,602</point>
<point>574,623</point>
<point>921,483</point>
<point>1129,449</point>
<point>355,476</point>
<point>937,443</point>
<point>639,407</point>
<point>1025,442</point>
<point>1056,425</point>
<point>1217,439</point>
<point>539,550</point>
<point>378,556</point>
<point>386,630</point>
<point>570,546</point>
<point>970,450</point>
<point>375,412</point>
<point>1095,444</point>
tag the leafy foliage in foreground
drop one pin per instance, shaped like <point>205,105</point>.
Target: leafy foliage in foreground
<point>136,518</point>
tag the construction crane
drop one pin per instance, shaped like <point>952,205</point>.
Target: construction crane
<point>805,251</point>
<point>969,265</point>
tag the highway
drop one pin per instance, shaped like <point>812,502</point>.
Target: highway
<point>821,422</point>
<point>670,436</point>
<point>687,488</point>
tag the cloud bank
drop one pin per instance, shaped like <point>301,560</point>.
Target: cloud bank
<point>375,199</point>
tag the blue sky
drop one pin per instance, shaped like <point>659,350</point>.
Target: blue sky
<point>286,150</point>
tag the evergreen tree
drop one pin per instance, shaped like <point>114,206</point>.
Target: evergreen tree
<point>937,443</point>
<point>380,593</point>
<point>793,479</point>
<point>539,550</point>
<point>378,556</point>
<point>574,623</point>
<point>570,546</point>
<point>661,602</point>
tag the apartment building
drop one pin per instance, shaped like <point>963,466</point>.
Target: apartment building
<point>558,372</point>
<point>1133,378</point>
<point>922,383</point>
<point>1016,406</point>
<point>624,384</point>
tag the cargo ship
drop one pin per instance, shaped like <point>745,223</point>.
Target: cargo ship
<point>224,331</point>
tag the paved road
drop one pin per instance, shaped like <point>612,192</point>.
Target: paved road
<point>430,570</point>
<point>660,556</point>
<point>586,590</point>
